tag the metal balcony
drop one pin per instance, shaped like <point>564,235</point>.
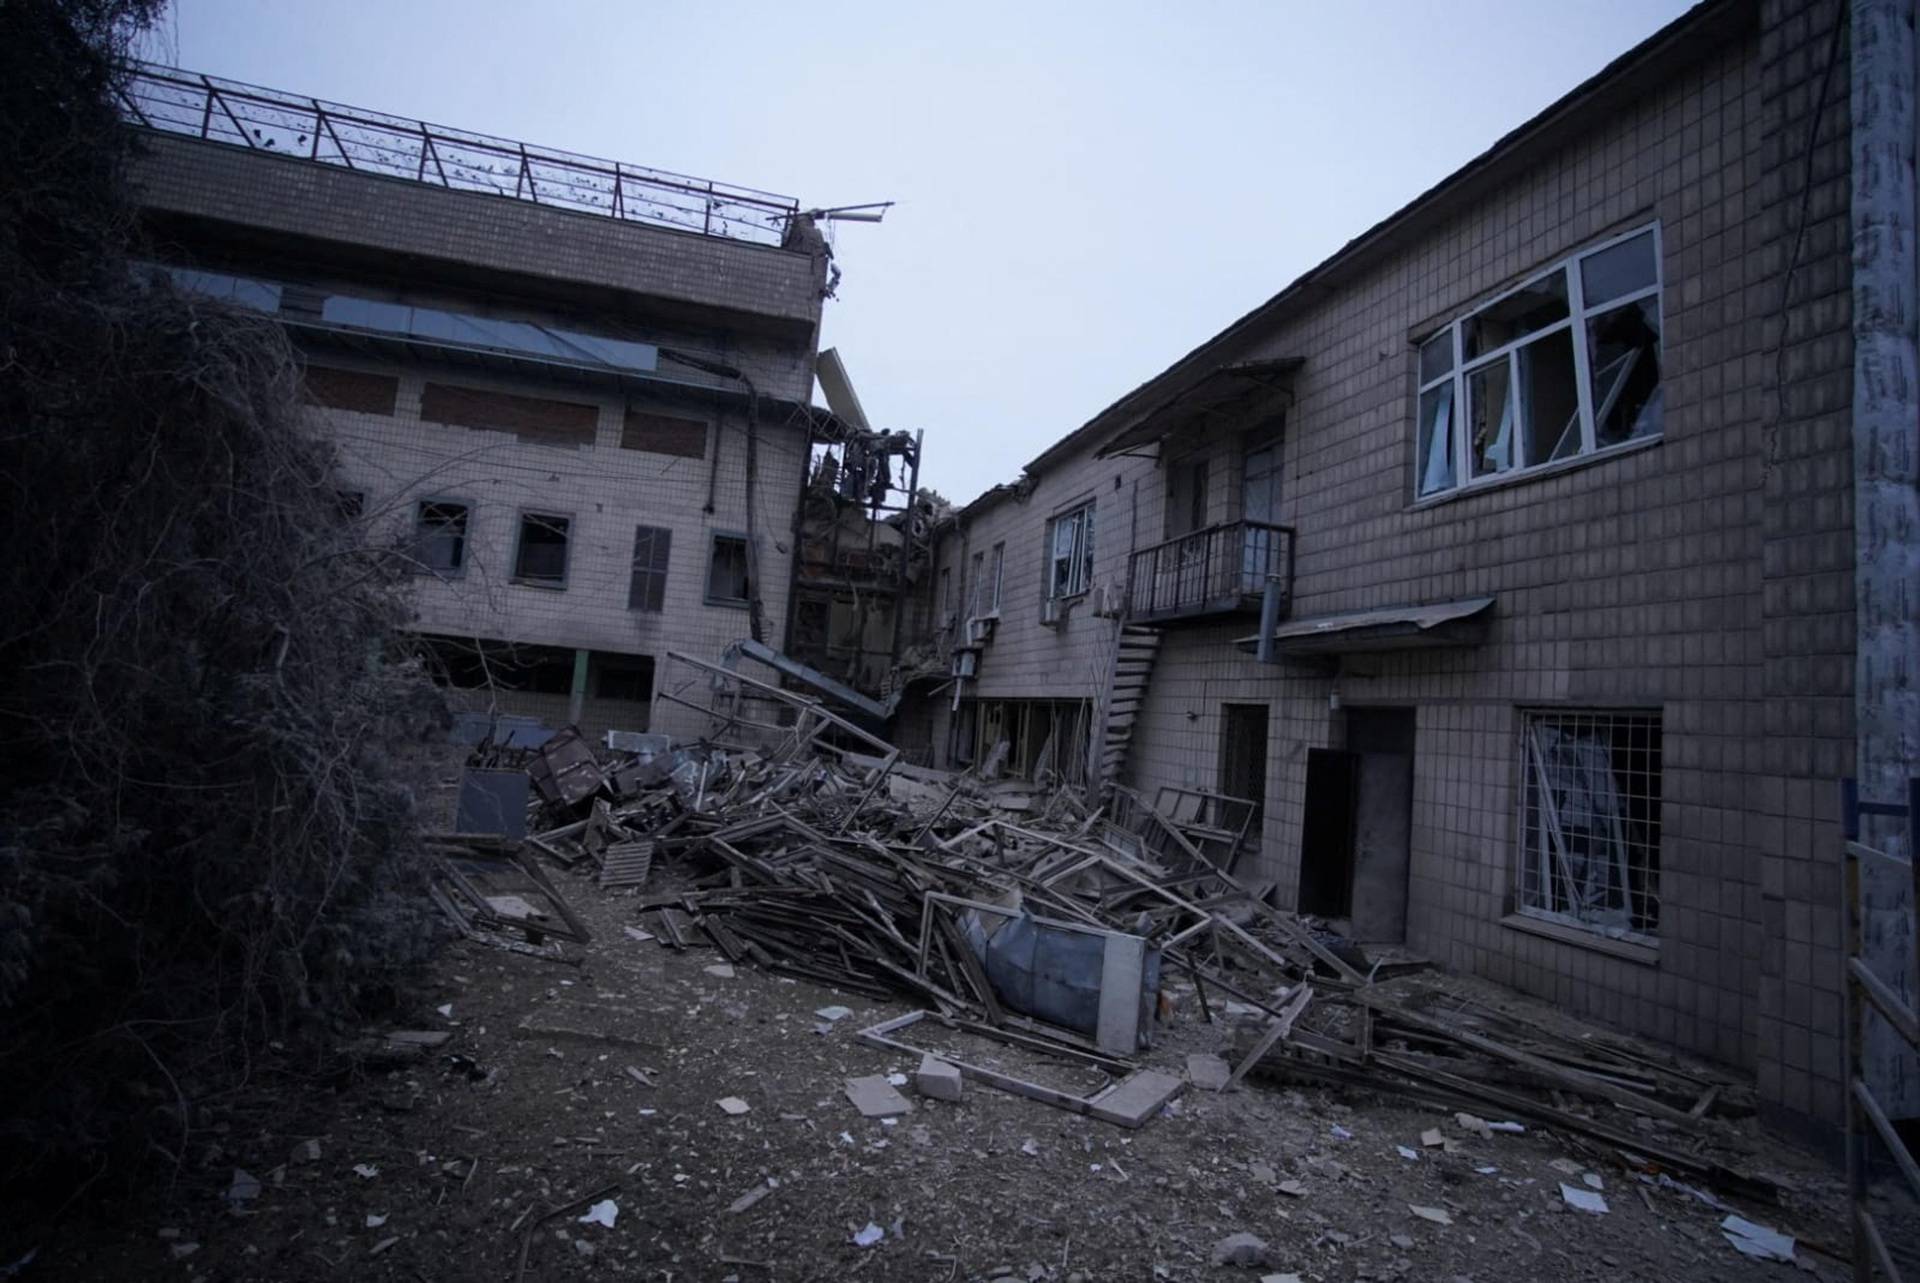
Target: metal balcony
<point>1218,572</point>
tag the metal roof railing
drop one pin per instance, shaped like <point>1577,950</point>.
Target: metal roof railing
<point>183,102</point>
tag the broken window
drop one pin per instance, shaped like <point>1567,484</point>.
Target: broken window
<point>1566,365</point>
<point>1590,824</point>
<point>622,677</point>
<point>727,571</point>
<point>542,556</point>
<point>1070,552</point>
<point>440,537</point>
<point>648,588</point>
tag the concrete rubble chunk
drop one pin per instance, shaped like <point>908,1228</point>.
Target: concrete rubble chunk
<point>1584,1200</point>
<point>1208,1073</point>
<point>1762,1242</point>
<point>1248,1251</point>
<point>875,1097</point>
<point>937,1079</point>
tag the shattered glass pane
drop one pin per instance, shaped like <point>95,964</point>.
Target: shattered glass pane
<point>1618,270</point>
<point>1490,418</point>
<point>1551,393</point>
<point>1436,356</point>
<point>1436,440</point>
<point>1534,306</point>
<point>1624,348</point>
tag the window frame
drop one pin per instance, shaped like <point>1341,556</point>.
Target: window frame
<point>519,576</point>
<point>655,575</point>
<point>713,549</point>
<point>1527,894</point>
<point>1457,378</point>
<point>1080,557</point>
<point>998,576</point>
<point>420,506</point>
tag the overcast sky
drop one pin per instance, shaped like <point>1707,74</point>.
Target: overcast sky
<point>1086,191</point>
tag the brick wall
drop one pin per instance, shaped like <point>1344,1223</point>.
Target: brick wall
<point>474,232</point>
<point>605,490</point>
<point>1706,577</point>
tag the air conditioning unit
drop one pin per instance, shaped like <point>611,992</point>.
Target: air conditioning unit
<point>1109,600</point>
<point>980,629</point>
<point>1050,612</point>
<point>966,663</point>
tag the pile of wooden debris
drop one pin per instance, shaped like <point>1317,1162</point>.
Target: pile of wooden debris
<point>799,842</point>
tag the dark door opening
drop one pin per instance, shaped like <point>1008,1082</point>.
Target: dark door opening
<point>1381,741</point>
<point>1243,761</point>
<point>1326,835</point>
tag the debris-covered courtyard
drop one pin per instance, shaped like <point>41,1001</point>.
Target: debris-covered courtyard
<point>678,1041</point>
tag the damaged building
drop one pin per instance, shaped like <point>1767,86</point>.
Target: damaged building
<point>1505,563</point>
<point>573,395</point>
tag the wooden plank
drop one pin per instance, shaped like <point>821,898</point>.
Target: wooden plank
<point>1280,1028</point>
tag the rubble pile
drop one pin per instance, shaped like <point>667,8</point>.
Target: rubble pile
<point>802,845</point>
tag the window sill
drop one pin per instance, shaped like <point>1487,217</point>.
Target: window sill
<point>537,583</point>
<point>1647,955</point>
<point>1504,480</point>
<point>728,603</point>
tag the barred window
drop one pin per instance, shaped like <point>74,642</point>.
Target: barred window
<point>1590,819</point>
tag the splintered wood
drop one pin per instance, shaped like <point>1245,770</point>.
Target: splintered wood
<point>801,844</point>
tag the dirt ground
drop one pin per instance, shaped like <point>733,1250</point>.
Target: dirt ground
<point>438,1171</point>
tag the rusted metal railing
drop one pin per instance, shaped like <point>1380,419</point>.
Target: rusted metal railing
<point>184,102</point>
<point>1222,569</point>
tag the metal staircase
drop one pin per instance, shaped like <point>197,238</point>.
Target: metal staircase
<point>1134,651</point>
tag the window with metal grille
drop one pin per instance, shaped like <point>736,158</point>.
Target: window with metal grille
<point>1590,819</point>
<point>440,537</point>
<point>648,588</point>
<point>542,557</point>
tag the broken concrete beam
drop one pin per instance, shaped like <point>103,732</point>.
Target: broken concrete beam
<point>1134,1100</point>
<point>937,1079</point>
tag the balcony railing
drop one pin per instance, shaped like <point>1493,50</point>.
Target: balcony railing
<point>1222,570</point>
<point>184,102</point>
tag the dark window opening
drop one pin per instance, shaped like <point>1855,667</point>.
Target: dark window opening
<point>623,677</point>
<point>469,663</point>
<point>727,571</point>
<point>648,588</point>
<point>440,538</point>
<point>542,557</point>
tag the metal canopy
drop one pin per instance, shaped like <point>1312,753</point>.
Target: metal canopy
<point>1217,388</point>
<point>1447,623</point>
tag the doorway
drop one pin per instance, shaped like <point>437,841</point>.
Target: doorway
<point>1260,507</point>
<point>1356,839</point>
<point>1243,760</point>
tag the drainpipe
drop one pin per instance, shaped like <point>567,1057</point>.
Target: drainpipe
<point>756,611</point>
<point>1886,503</point>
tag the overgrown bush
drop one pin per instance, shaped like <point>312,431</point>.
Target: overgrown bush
<point>207,834</point>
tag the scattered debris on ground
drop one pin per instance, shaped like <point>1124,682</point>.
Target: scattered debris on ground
<point>773,1035</point>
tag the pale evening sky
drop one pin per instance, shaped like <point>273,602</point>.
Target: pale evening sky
<point>1085,191</point>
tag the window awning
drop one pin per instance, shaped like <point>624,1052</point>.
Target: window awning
<point>1213,391</point>
<point>1446,623</point>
